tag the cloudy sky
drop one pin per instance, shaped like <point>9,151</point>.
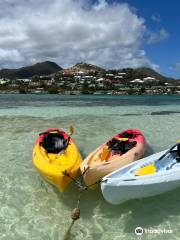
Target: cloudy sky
<point>111,34</point>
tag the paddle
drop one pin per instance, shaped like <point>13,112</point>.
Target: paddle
<point>71,129</point>
<point>105,153</point>
<point>151,169</point>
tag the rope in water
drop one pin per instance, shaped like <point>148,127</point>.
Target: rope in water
<point>75,214</point>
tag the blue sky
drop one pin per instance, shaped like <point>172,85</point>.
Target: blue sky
<point>161,14</point>
<point>107,33</point>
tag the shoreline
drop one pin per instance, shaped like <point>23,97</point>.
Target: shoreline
<point>100,92</point>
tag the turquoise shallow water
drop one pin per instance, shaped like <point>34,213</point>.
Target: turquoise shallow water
<point>33,209</point>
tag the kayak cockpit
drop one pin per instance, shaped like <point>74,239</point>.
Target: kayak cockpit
<point>154,166</point>
<point>147,167</point>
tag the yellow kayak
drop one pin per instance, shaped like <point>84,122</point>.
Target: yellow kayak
<point>55,154</point>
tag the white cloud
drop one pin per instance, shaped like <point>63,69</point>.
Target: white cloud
<point>102,4</point>
<point>69,31</point>
<point>156,18</point>
<point>157,36</point>
<point>7,56</point>
<point>176,67</point>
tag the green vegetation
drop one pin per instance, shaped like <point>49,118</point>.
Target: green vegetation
<point>52,90</point>
<point>131,91</point>
<point>85,78</point>
<point>142,90</point>
<point>23,90</point>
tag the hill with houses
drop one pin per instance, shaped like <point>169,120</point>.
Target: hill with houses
<point>47,68</point>
<point>85,78</point>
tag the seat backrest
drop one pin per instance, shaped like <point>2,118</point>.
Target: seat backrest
<point>54,142</point>
<point>123,146</point>
<point>127,135</point>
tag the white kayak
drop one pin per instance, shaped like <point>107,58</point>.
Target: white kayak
<point>147,177</point>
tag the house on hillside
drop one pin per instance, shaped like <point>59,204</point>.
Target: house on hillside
<point>39,90</point>
<point>109,75</point>
<point>81,73</point>
<point>149,79</point>
<point>100,85</point>
<point>118,77</point>
<point>67,73</point>
<point>92,85</point>
<point>4,81</point>
<point>24,80</point>
<point>44,77</point>
<point>100,80</point>
<point>137,82</point>
<point>121,73</point>
<point>34,84</point>
<point>59,84</point>
<point>88,77</point>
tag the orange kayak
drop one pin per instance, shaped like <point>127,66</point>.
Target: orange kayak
<point>120,150</point>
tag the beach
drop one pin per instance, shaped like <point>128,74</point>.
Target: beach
<point>33,209</point>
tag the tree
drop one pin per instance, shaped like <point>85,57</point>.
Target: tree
<point>85,88</point>
<point>142,90</point>
<point>22,90</point>
<point>131,91</point>
<point>52,90</point>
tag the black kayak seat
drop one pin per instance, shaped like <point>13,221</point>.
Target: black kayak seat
<point>178,153</point>
<point>123,146</point>
<point>54,142</point>
<point>127,135</point>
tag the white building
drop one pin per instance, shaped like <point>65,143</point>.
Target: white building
<point>100,80</point>
<point>92,85</point>
<point>137,81</point>
<point>149,79</point>
<point>121,73</point>
<point>3,81</point>
<point>88,77</point>
<point>110,74</point>
<point>118,77</point>
<point>25,80</point>
<point>100,85</point>
<point>80,73</point>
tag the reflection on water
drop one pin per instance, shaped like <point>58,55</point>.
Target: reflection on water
<point>33,209</point>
